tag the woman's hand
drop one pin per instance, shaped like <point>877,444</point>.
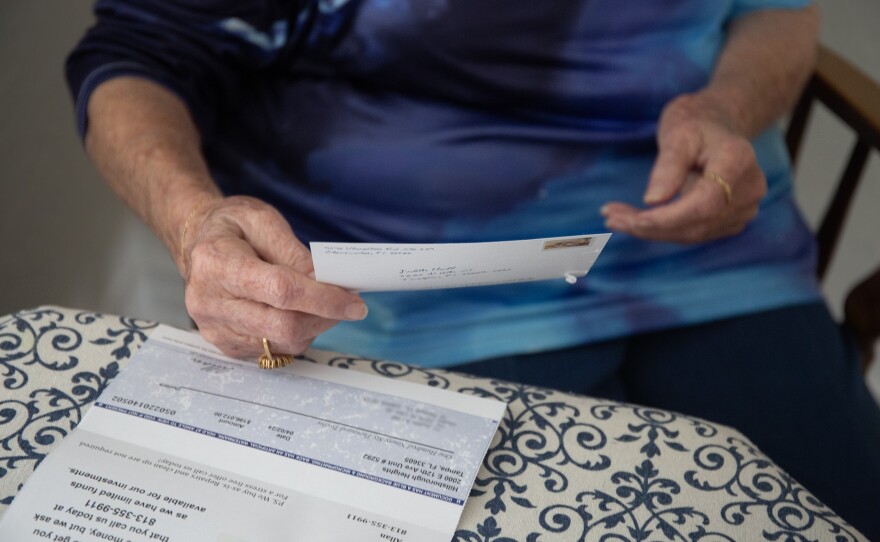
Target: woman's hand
<point>248,277</point>
<point>706,183</point>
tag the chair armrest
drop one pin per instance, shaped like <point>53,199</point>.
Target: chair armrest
<point>855,99</point>
<point>849,93</point>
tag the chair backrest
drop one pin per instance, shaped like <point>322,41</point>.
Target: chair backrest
<point>855,99</point>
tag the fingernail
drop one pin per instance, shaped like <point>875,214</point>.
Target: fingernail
<point>356,311</point>
<point>603,210</point>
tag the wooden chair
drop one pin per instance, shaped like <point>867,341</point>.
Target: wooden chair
<point>855,100</point>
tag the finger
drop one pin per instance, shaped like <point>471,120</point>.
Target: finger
<point>233,264</point>
<point>618,216</point>
<point>236,325</point>
<point>701,213</point>
<point>288,329</point>
<point>235,345</point>
<point>231,343</point>
<point>252,318</point>
<point>735,163</point>
<point>616,207</point>
<point>678,152</point>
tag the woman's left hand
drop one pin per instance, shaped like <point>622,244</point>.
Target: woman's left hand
<point>705,184</point>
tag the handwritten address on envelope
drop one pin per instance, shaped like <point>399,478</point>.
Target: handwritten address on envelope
<point>389,267</point>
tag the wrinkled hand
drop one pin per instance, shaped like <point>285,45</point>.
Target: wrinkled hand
<point>248,277</point>
<point>695,141</point>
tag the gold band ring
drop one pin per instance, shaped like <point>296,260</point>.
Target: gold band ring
<point>719,180</point>
<point>270,361</point>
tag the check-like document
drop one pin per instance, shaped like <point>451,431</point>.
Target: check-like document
<point>186,445</point>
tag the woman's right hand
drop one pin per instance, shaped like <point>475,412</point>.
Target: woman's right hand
<point>248,277</point>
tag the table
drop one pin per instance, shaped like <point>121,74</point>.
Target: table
<point>561,466</point>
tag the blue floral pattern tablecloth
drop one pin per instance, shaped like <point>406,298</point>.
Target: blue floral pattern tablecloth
<point>561,467</point>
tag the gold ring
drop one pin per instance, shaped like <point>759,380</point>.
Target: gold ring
<point>719,180</point>
<point>270,361</point>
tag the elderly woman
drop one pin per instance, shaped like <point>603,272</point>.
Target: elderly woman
<point>239,130</point>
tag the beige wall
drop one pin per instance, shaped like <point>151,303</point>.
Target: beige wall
<point>65,238</point>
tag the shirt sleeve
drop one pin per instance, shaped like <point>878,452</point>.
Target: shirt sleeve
<point>742,7</point>
<point>198,49</point>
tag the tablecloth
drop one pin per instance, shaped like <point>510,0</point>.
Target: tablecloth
<point>561,467</point>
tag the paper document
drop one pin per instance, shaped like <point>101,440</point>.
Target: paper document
<point>186,445</point>
<point>378,267</point>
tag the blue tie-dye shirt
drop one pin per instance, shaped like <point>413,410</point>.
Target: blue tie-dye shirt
<point>464,120</point>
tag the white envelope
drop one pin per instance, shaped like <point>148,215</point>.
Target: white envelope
<point>387,267</point>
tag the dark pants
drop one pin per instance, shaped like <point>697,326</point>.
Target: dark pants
<point>788,379</point>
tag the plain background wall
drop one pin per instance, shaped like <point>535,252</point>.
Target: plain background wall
<point>67,241</point>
